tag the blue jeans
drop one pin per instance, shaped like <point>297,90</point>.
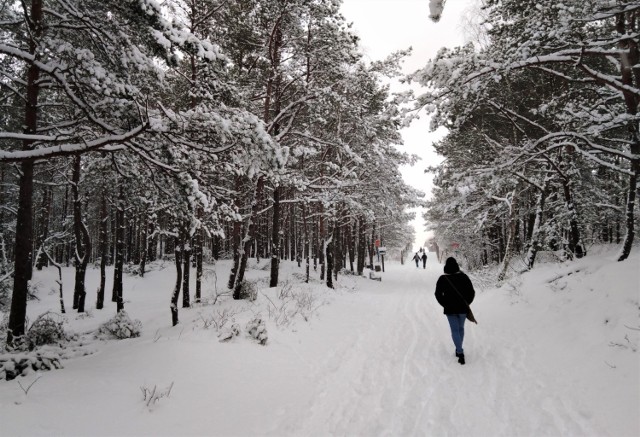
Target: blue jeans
<point>456,322</point>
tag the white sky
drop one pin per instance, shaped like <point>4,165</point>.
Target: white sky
<point>385,26</point>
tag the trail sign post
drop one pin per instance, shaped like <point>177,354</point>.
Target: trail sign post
<point>381,251</point>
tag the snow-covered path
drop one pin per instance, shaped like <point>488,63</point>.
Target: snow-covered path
<point>395,374</point>
<point>555,353</point>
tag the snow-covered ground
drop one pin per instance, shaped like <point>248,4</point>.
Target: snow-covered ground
<point>555,353</point>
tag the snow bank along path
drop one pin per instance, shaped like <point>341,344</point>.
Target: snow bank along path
<point>393,372</point>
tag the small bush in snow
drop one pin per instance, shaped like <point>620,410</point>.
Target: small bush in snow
<point>120,327</point>
<point>347,272</point>
<point>218,319</point>
<point>248,291</point>
<point>257,329</point>
<point>14,365</point>
<point>46,329</point>
<point>228,334</point>
<point>131,269</point>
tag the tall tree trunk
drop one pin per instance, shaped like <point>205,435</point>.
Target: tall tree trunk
<point>510,239</point>
<point>328,249</point>
<point>307,243</point>
<point>249,237</point>
<point>43,229</point>
<point>235,241</point>
<point>186,253</point>
<point>4,264</point>
<point>534,244</point>
<point>337,248</point>
<point>352,245</point>
<point>83,241</point>
<point>116,296</point>
<point>273,90</point>
<point>575,244</point>
<point>104,250</point>
<point>198,254</point>
<point>372,244</point>
<point>176,290</point>
<point>631,200</point>
<point>144,242</point>
<point>362,242</point>
<point>630,72</point>
<point>24,219</point>
<point>275,239</point>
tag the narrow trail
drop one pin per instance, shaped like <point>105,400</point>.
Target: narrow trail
<point>396,375</point>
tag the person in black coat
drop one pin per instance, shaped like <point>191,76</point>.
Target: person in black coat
<point>424,260</point>
<point>453,289</point>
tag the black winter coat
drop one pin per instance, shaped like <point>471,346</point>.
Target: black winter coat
<point>447,296</point>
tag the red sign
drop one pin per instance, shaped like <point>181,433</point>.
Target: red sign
<point>455,245</point>
<point>377,243</point>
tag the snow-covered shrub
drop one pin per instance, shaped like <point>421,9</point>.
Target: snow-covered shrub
<point>14,365</point>
<point>257,329</point>
<point>347,272</point>
<point>228,334</point>
<point>290,303</point>
<point>46,329</point>
<point>248,291</point>
<point>131,269</point>
<point>121,326</point>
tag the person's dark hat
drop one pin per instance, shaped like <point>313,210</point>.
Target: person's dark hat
<point>451,266</point>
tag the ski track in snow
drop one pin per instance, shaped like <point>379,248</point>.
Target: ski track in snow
<point>397,375</point>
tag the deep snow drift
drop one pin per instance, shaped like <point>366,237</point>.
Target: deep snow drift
<point>555,353</point>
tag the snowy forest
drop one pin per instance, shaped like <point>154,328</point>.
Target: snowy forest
<point>197,198</point>
<point>542,148</point>
<point>210,129</point>
<point>199,130</point>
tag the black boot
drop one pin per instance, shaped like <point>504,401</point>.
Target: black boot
<point>461,358</point>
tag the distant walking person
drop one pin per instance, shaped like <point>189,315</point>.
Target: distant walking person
<point>416,258</point>
<point>454,291</point>
<point>424,260</point>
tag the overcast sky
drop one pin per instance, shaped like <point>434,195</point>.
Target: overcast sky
<point>385,26</point>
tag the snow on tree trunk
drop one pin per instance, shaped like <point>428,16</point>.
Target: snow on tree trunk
<point>186,254</point>
<point>118,272</point>
<point>235,241</point>
<point>275,239</point>
<point>534,244</point>
<point>43,229</point>
<point>631,201</point>
<point>508,253</point>
<point>352,244</point>
<point>630,56</point>
<point>199,242</point>
<point>249,237</point>
<point>83,240</point>
<point>176,290</point>
<point>328,250</point>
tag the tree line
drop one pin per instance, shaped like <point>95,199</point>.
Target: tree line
<point>543,149</point>
<point>193,130</point>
